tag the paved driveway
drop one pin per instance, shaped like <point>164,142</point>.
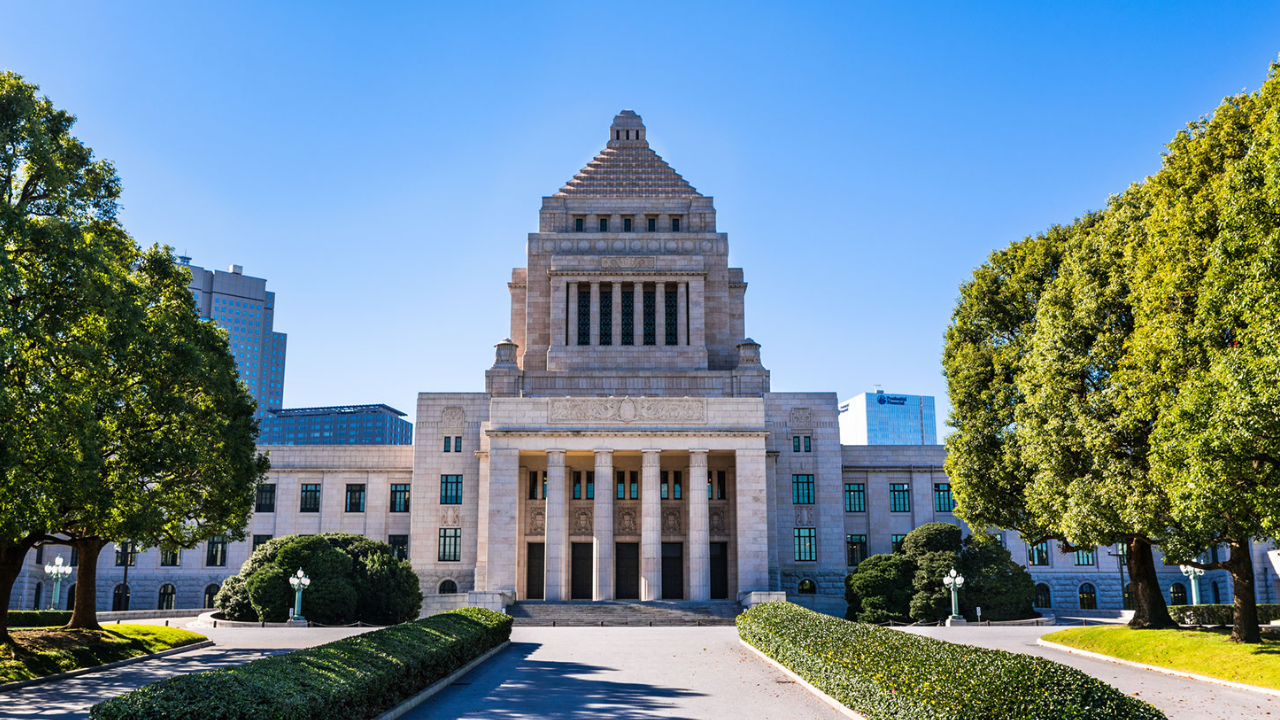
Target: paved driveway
<point>625,674</point>
<point>1179,698</point>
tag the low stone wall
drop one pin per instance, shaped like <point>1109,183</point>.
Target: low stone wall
<point>436,604</point>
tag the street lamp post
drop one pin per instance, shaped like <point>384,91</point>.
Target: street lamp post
<point>300,582</point>
<point>1193,575</point>
<point>954,581</point>
<point>57,571</point>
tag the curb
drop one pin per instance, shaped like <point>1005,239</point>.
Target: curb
<point>839,706</point>
<point>6,687</point>
<point>439,685</point>
<point>1161,670</point>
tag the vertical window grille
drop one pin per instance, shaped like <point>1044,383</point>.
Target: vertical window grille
<point>591,485</point>
<point>355,498</point>
<point>628,316</point>
<point>1084,557</point>
<point>795,444</point>
<point>806,549</point>
<point>584,317</point>
<point>399,497</point>
<point>673,328</point>
<point>650,318</point>
<point>606,315</point>
<point>855,497</point>
<point>856,549</point>
<point>577,484</point>
<point>399,546</point>
<point>450,545</point>
<point>448,444</point>
<point>1038,554</point>
<point>899,497</point>
<point>168,596</point>
<point>450,489</point>
<point>1089,597</point>
<point>897,542</point>
<point>1044,597</point>
<point>457,443</point>
<point>942,500</point>
<point>808,443</point>
<point>802,489</point>
<point>126,554</point>
<point>173,558</point>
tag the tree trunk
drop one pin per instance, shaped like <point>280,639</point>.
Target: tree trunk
<point>1149,609</point>
<point>1245,618</point>
<point>11,557</point>
<point>85,614</point>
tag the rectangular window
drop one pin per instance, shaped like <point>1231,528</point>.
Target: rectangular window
<point>577,484</point>
<point>584,317</point>
<point>628,316</point>
<point>577,224</point>
<point>266,498</point>
<point>217,553</point>
<point>650,317</point>
<point>399,497</point>
<point>448,444</point>
<point>897,542</point>
<point>39,557</point>
<point>802,489</point>
<point>1084,557</point>
<point>457,443</point>
<point>675,224</point>
<point>533,484</point>
<point>673,327</point>
<point>259,540</point>
<point>808,443</point>
<point>591,484</point>
<point>806,544</point>
<point>604,224</point>
<point>653,224</point>
<point>606,315</point>
<point>1038,554</point>
<point>635,485</point>
<point>899,497</point>
<point>626,224</point>
<point>855,549</point>
<point>662,485</point>
<point>450,489</point>
<point>355,497</point>
<point>677,484</point>
<point>310,500</point>
<point>942,500</point>
<point>720,484</point>
<point>450,545</point>
<point>855,497</point>
<point>399,546</point>
<point>795,444</point>
<point>75,557</point>
<point>622,484</point>
<point>173,558</point>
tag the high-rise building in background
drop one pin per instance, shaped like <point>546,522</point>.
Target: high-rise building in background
<point>880,418</point>
<point>242,305</point>
<point>343,425</point>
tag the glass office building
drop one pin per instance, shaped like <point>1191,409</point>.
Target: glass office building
<point>881,418</point>
<point>341,425</point>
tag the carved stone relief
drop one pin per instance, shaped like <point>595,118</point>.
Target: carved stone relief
<point>716,521</point>
<point>450,517</point>
<point>627,410</point>
<point>671,522</point>
<point>582,521</point>
<point>537,521</point>
<point>801,418</point>
<point>804,516</point>
<point>453,417</point>
<point>626,522</point>
<point>626,262</point>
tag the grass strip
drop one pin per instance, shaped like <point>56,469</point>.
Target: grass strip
<point>36,653</point>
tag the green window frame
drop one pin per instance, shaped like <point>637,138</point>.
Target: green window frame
<point>266,500</point>
<point>259,540</point>
<point>806,544</point>
<point>399,546</point>
<point>1084,557</point>
<point>450,545</point>
<point>855,549</point>
<point>400,497</point>
<point>855,497</point>
<point>900,497</point>
<point>795,443</point>
<point>897,541</point>
<point>942,500</point>
<point>802,489</point>
<point>355,497</point>
<point>216,556</point>
<point>171,557</point>
<point>1038,554</point>
<point>126,554</point>
<point>450,489</point>
<point>309,498</point>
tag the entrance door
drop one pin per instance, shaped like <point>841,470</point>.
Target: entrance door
<point>583,564</point>
<point>672,571</point>
<point>535,566</point>
<point>719,571</point>
<point>626,571</point>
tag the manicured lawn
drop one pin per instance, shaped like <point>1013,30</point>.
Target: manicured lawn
<point>46,651</point>
<point>1203,652</point>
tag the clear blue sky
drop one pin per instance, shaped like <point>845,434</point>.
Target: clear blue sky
<point>380,164</point>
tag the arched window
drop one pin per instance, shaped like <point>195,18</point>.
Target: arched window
<point>71,597</point>
<point>1088,597</point>
<point>210,592</point>
<point>168,596</point>
<point>1044,598</point>
<point>35,605</point>
<point>807,587</point>
<point>1128,596</point>
<point>1217,593</point>
<point>448,587</point>
<point>1178,594</point>
<point>120,598</point>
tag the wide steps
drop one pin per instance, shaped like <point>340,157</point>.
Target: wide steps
<point>623,614</point>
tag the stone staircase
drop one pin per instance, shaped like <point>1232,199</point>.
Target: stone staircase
<point>624,613</point>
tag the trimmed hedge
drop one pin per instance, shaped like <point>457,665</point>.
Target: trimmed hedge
<point>1218,614</point>
<point>38,618</point>
<point>883,673</point>
<point>357,677</point>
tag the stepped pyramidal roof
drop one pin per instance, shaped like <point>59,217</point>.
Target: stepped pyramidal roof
<point>628,167</point>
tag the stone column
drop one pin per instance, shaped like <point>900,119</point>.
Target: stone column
<point>558,318</point>
<point>697,313</point>
<point>595,314</point>
<point>502,501</point>
<point>418,549</point>
<point>682,319</point>
<point>617,313</point>
<point>749,499</point>
<point>557,537</point>
<point>571,317</point>
<point>637,310</point>
<point>650,526</point>
<point>699,529</point>
<point>602,526</point>
<point>660,313</point>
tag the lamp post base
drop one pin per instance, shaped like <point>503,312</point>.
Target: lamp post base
<point>296,621</point>
<point>955,620</point>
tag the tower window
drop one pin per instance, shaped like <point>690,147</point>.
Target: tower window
<point>653,224</point>
<point>606,314</point>
<point>672,328</point>
<point>650,318</point>
<point>604,224</point>
<point>577,224</point>
<point>675,224</point>
<point>628,316</point>
<point>584,317</point>
<point>626,224</point>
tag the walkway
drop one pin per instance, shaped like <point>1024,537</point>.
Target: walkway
<point>624,674</point>
<point>72,698</point>
<point>1179,698</point>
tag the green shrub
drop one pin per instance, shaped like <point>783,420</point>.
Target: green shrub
<point>994,582</point>
<point>357,677</point>
<point>879,589</point>
<point>1212,614</point>
<point>38,618</point>
<point>352,578</point>
<point>883,673</point>
<point>932,537</point>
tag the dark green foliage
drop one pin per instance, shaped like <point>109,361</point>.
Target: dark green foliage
<point>889,674</point>
<point>358,677</point>
<point>932,537</point>
<point>352,578</point>
<point>931,599</point>
<point>994,582</point>
<point>38,618</point>
<point>879,589</point>
<point>1218,614</point>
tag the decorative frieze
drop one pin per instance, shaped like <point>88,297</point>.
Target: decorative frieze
<point>450,517</point>
<point>717,522</point>
<point>670,521</point>
<point>537,521</point>
<point>453,417</point>
<point>627,521</point>
<point>582,521</point>
<point>627,410</point>
<point>626,262</point>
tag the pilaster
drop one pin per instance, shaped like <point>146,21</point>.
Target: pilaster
<point>699,531</point>
<point>557,529</point>
<point>603,526</point>
<point>749,498</point>
<point>650,526</point>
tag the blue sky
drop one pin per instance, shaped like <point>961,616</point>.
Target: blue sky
<point>382,163</point>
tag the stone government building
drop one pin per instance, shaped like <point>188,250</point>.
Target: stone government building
<point>626,445</point>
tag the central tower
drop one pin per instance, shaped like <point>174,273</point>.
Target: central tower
<point>628,290</point>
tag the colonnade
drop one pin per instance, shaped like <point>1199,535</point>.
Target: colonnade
<point>690,324</point>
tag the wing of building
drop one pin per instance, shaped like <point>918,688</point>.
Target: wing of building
<point>626,443</point>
